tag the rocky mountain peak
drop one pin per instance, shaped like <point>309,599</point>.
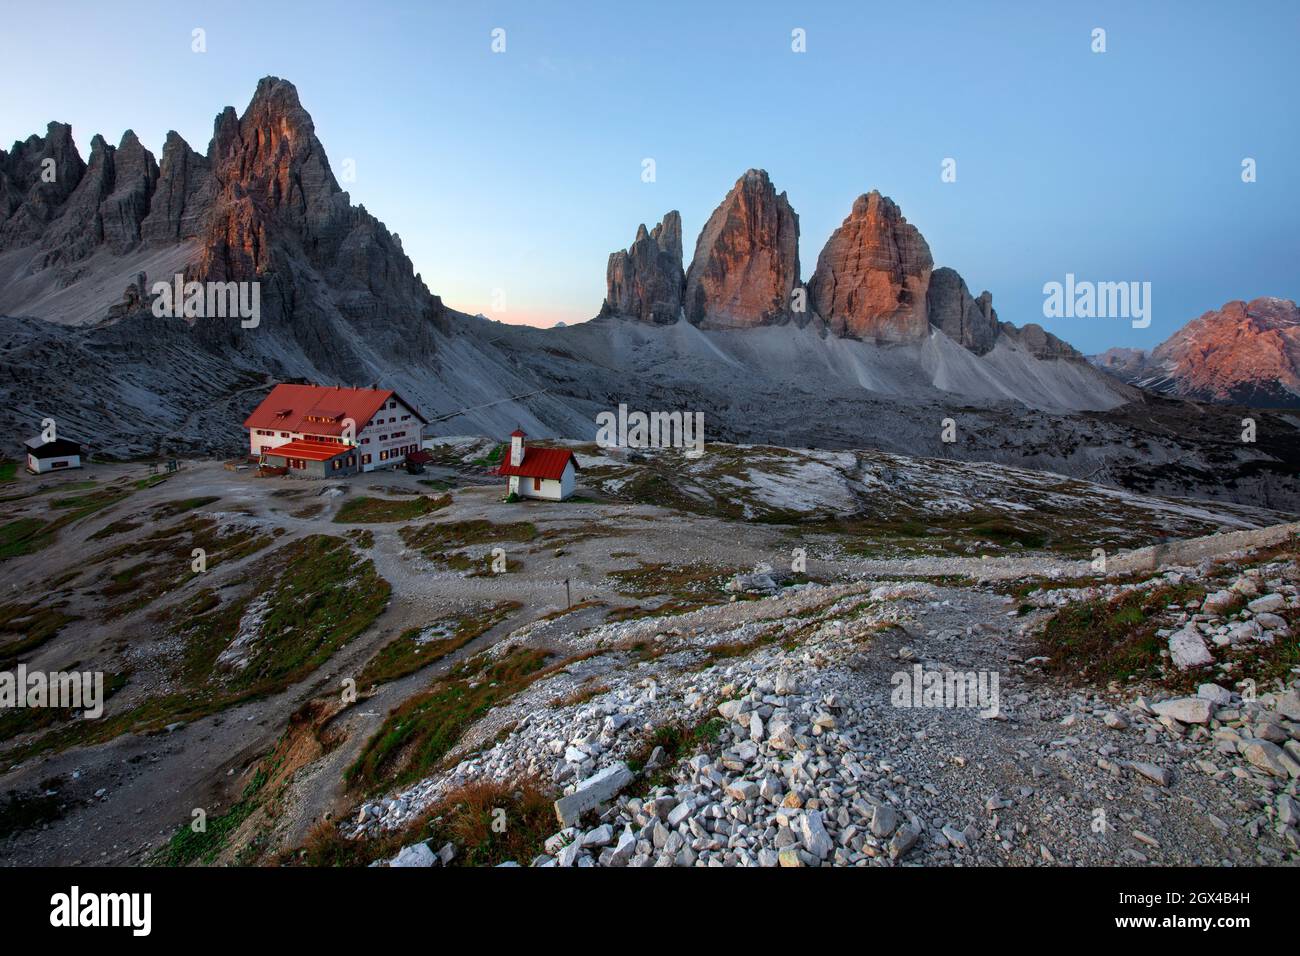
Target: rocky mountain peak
<point>183,194</point>
<point>1246,352</point>
<point>107,206</point>
<point>969,321</point>
<point>645,281</point>
<point>1038,342</point>
<point>30,197</point>
<point>746,261</point>
<point>873,274</point>
<point>668,236</point>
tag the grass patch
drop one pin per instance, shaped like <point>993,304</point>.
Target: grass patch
<point>435,538</point>
<point>364,510</point>
<point>313,596</point>
<point>420,646</point>
<point>361,537</point>
<point>679,741</point>
<point>32,625</point>
<point>581,695</point>
<point>1103,640</point>
<point>170,509</point>
<point>424,729</point>
<point>166,561</point>
<point>463,817</point>
<point>120,526</point>
<point>24,536</point>
<point>29,535</point>
<point>491,458</point>
<point>572,609</point>
<point>321,598</point>
<point>7,469</point>
<point>187,847</point>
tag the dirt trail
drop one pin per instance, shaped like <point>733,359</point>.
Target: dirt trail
<point>152,783</point>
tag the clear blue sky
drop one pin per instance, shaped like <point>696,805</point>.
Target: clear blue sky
<point>522,171</point>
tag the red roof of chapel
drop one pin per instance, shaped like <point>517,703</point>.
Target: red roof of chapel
<point>539,463</point>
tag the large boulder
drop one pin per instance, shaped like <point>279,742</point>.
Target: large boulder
<point>592,792</point>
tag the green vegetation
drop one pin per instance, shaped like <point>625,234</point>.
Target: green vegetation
<point>420,732</point>
<point>1103,640</point>
<point>678,741</point>
<point>7,469</point>
<point>25,720</point>
<point>170,509</point>
<point>24,536</point>
<point>440,541</point>
<point>312,597</point>
<point>29,535</point>
<point>166,560</point>
<point>362,537</point>
<point>321,598</point>
<point>34,624</point>
<point>464,817</point>
<point>588,691</point>
<point>363,510</point>
<point>187,847</point>
<point>420,646</point>
<point>689,588</point>
<point>491,458</point>
<point>434,538</point>
<point>120,526</point>
<point>647,580</point>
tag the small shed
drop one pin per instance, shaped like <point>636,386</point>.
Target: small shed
<point>549,473</point>
<point>57,455</point>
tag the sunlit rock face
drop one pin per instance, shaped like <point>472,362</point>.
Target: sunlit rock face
<point>746,262</point>
<point>1246,352</point>
<point>872,275</point>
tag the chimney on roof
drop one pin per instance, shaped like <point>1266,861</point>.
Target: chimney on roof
<point>517,447</point>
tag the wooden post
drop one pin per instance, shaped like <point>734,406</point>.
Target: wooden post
<point>568,597</point>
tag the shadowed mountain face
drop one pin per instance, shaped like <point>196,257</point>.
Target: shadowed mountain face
<point>876,352</point>
<point>1245,352</point>
<point>646,281</point>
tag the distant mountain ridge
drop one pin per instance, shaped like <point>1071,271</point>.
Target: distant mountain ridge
<point>875,278</point>
<point>883,350</point>
<point>1245,353</point>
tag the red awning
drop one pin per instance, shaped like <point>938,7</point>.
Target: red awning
<point>309,450</point>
